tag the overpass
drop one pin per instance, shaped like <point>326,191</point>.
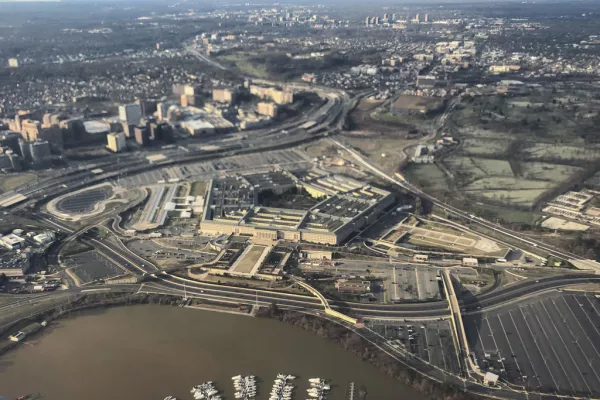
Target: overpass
<point>328,310</point>
<point>457,324</point>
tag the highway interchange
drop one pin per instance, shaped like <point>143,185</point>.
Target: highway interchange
<point>329,118</point>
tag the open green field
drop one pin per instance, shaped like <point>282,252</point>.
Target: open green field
<point>476,146</point>
<point>559,151</point>
<point>243,63</point>
<point>10,182</point>
<point>427,176</point>
<point>246,264</point>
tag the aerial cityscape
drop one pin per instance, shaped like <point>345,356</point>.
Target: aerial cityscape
<point>403,197</point>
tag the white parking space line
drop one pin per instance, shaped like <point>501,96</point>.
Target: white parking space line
<point>564,346</point>
<point>588,317</point>
<point>536,345</point>
<point>442,347</point>
<point>576,340</point>
<point>553,351</point>
<point>513,352</point>
<point>494,340</point>
<point>581,326</point>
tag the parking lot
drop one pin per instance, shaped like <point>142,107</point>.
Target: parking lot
<point>84,201</point>
<point>206,170</point>
<point>152,249</point>
<point>431,341</point>
<point>407,282</point>
<point>549,344</point>
<point>91,265</point>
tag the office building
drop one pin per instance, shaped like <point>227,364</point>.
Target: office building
<point>426,18</point>
<point>346,206</point>
<point>116,142</point>
<point>142,137</point>
<point>267,108</point>
<point>155,130</point>
<point>161,111</point>
<point>24,150</point>
<point>128,129</point>
<point>367,20</point>
<point>40,154</point>
<point>224,95</point>
<point>131,113</point>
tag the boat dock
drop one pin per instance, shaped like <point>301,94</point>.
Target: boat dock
<point>351,391</point>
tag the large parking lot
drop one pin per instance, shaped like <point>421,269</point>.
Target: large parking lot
<point>548,344</point>
<point>431,341</point>
<point>412,283</point>
<point>206,170</point>
<point>91,266</point>
<point>152,249</point>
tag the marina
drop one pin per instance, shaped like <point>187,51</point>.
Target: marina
<point>205,391</point>
<point>245,387</point>
<point>282,389</point>
<point>318,389</point>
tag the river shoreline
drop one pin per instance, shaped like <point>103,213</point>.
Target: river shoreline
<point>328,330</point>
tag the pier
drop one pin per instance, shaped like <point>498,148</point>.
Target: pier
<point>351,391</point>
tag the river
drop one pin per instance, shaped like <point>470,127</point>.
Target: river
<point>148,352</point>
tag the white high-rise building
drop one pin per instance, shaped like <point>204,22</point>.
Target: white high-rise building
<point>116,141</point>
<point>132,113</point>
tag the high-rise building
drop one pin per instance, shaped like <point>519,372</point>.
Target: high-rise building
<point>386,18</point>
<point>224,95</point>
<point>141,135</point>
<point>13,63</point>
<point>15,161</point>
<point>166,131</point>
<point>376,20</point>
<point>132,113</point>
<point>367,20</point>
<point>24,150</point>
<point>40,154</point>
<point>426,18</point>
<point>155,131</point>
<point>394,17</point>
<point>417,18</point>
<point>267,108</point>
<point>116,141</point>
<point>10,140</point>
<point>128,129</point>
<point>161,111</point>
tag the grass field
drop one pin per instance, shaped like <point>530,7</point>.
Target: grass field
<point>417,103</point>
<point>246,264</point>
<point>427,176</point>
<point>484,147</point>
<point>562,152</point>
<point>11,182</point>
<point>548,172</point>
<point>384,151</point>
<point>242,62</point>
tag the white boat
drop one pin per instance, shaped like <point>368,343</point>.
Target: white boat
<point>237,377</point>
<point>290,377</point>
<point>170,398</point>
<point>325,387</point>
<point>315,380</point>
